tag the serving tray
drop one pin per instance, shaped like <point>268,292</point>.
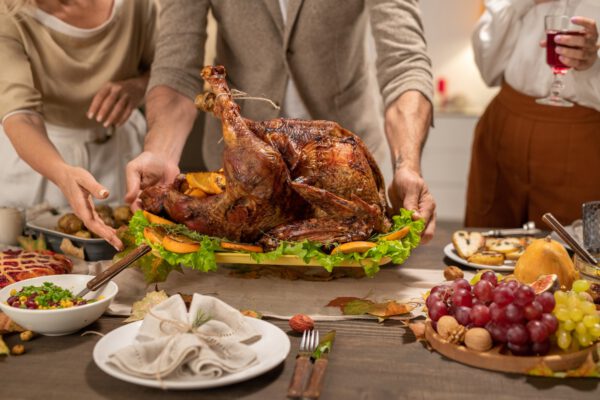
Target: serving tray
<point>495,360</point>
<point>286,260</point>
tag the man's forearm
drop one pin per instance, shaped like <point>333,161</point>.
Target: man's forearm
<point>170,117</point>
<point>407,122</point>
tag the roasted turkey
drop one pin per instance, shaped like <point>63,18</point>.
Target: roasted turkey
<point>286,180</point>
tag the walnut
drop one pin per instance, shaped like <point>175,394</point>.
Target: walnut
<point>445,325</point>
<point>457,335</point>
<point>478,339</point>
<point>453,272</point>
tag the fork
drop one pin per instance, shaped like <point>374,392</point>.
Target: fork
<point>308,344</point>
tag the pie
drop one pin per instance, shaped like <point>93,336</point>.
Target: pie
<point>17,265</point>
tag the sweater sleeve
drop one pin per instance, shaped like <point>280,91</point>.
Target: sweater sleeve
<point>495,36</point>
<point>179,53</point>
<point>402,60</point>
<point>16,78</point>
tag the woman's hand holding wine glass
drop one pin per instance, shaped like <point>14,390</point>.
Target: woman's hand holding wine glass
<point>571,42</point>
<point>579,52</point>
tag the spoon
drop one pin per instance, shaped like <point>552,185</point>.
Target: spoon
<point>557,227</point>
<point>103,277</point>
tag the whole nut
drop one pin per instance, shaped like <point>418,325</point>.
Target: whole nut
<point>26,336</point>
<point>478,339</point>
<point>445,325</point>
<point>301,323</point>
<point>17,350</point>
<point>453,272</point>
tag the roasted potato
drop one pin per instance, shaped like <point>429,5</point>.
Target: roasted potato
<point>122,215</point>
<point>70,223</point>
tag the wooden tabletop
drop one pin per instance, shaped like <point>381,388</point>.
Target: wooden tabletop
<point>369,361</point>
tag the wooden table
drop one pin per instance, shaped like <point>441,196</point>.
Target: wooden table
<point>369,361</point>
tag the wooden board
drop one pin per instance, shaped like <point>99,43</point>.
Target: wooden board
<point>495,360</point>
<point>287,260</point>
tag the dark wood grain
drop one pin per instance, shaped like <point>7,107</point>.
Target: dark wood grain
<point>369,361</point>
<point>301,368</point>
<point>313,388</point>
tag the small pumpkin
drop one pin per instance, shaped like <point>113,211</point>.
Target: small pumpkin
<point>544,257</point>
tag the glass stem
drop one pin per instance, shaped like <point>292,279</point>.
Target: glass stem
<point>557,85</point>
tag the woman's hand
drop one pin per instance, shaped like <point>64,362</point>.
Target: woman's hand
<point>578,51</point>
<point>409,190</point>
<point>115,101</point>
<point>79,187</point>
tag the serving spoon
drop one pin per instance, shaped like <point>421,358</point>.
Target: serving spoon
<point>103,277</point>
<point>560,230</point>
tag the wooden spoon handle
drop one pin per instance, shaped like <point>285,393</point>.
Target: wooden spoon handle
<point>313,391</point>
<point>117,267</point>
<point>300,371</point>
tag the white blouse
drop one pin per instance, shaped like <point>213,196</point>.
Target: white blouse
<point>506,46</point>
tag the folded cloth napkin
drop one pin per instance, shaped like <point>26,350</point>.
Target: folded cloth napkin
<point>206,342</point>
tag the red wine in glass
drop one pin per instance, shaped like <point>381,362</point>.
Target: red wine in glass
<point>552,58</point>
<point>557,25</point>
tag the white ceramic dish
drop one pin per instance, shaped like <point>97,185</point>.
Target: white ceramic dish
<point>272,349</point>
<point>451,253</point>
<point>59,322</point>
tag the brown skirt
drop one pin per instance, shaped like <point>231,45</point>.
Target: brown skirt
<point>529,159</point>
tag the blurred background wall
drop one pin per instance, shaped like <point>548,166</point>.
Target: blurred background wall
<point>448,26</point>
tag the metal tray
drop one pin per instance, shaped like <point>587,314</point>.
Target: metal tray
<point>94,249</point>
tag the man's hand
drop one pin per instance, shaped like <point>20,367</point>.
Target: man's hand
<point>407,122</point>
<point>79,187</point>
<point>115,101</point>
<point>410,191</point>
<point>146,170</point>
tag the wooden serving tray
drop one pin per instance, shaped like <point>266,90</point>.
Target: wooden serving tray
<point>286,260</point>
<point>495,360</point>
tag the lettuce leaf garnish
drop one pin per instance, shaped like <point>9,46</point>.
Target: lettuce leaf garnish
<point>204,259</point>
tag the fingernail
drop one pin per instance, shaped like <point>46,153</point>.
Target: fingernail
<point>106,124</point>
<point>99,118</point>
<point>90,115</point>
<point>103,193</point>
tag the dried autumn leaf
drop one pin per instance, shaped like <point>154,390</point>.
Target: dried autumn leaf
<point>542,369</point>
<point>341,301</point>
<point>251,313</point>
<point>141,307</point>
<point>418,329</point>
<point>389,309</point>
<point>588,369</point>
<point>7,325</point>
<point>357,307</point>
<point>3,348</point>
<point>68,248</point>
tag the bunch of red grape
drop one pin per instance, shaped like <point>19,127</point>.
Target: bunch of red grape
<point>510,311</point>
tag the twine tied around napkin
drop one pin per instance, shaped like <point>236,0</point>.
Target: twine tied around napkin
<point>205,343</point>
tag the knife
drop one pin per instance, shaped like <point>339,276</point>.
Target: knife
<point>528,229</point>
<point>320,355</point>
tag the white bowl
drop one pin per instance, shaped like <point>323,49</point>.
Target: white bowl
<point>63,321</point>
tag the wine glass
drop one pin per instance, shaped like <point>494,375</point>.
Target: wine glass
<point>557,25</point>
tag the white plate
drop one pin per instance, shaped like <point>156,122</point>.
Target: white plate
<point>271,349</point>
<point>451,253</point>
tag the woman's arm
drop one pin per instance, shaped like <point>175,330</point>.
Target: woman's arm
<point>27,134</point>
<point>496,34</point>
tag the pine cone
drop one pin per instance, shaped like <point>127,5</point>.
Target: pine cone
<point>457,335</point>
